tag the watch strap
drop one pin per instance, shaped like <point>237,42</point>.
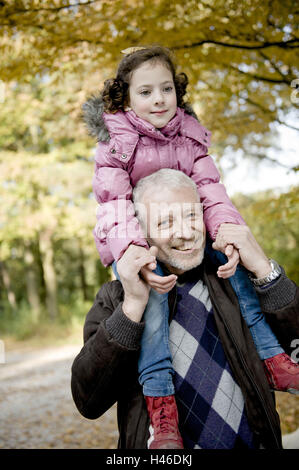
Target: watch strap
<point>272,276</point>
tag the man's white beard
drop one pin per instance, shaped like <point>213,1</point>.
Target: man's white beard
<point>186,265</point>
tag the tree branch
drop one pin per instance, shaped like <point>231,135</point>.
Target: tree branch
<point>274,65</point>
<point>265,45</point>
<point>62,7</point>
<point>262,156</point>
<point>263,79</point>
<point>267,111</point>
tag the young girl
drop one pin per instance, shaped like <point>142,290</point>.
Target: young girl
<point>142,124</point>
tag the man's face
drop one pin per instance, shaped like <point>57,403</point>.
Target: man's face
<point>175,226</point>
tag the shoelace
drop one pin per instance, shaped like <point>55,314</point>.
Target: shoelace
<point>163,420</point>
<point>288,362</point>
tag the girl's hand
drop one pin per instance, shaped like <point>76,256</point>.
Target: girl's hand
<point>229,249</point>
<point>251,254</point>
<point>229,269</point>
<point>162,284</point>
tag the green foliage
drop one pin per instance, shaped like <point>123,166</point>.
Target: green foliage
<point>48,258</point>
<point>273,218</point>
<point>22,326</point>
<point>240,58</point>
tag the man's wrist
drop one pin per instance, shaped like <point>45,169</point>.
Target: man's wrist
<point>133,308</point>
<point>262,269</point>
<point>125,331</point>
<point>265,277</point>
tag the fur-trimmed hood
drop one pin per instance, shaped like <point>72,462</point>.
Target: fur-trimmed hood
<point>92,115</point>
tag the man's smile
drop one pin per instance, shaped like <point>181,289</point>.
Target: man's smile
<point>184,250</point>
<point>187,248</point>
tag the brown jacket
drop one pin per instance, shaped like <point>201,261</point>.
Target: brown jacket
<point>105,370</point>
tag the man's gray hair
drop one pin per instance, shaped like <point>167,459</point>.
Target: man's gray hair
<point>161,179</point>
<point>165,178</point>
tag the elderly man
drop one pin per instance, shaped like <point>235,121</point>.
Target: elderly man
<point>223,396</point>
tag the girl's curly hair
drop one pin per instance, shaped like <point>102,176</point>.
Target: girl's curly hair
<point>115,91</point>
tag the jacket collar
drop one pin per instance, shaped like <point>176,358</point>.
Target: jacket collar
<point>126,128</point>
<point>128,122</point>
<point>102,125</point>
<point>193,129</point>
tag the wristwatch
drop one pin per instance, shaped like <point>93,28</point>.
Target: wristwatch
<point>274,274</point>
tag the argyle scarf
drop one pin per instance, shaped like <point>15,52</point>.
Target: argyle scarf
<point>210,403</point>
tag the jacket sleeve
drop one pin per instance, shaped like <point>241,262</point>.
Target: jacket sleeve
<point>108,360</point>
<point>280,303</point>
<point>217,206</point>
<point>117,227</point>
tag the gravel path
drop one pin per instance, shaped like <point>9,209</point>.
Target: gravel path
<point>36,406</point>
<point>37,410</point>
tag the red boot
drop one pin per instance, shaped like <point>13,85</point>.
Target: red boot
<point>164,429</point>
<point>282,373</point>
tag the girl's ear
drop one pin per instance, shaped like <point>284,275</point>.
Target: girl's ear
<point>127,108</point>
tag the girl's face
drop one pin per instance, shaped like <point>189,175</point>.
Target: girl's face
<point>152,93</point>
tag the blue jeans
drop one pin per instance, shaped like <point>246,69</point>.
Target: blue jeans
<point>155,363</point>
<point>265,341</point>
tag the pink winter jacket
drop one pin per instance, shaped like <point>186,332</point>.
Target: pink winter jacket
<point>134,149</point>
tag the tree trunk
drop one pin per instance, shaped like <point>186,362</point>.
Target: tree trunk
<point>32,283</point>
<point>103,275</point>
<point>47,254</point>
<point>82,272</point>
<point>7,284</point>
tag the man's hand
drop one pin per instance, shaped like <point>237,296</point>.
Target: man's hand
<point>251,254</point>
<point>162,284</point>
<point>136,291</point>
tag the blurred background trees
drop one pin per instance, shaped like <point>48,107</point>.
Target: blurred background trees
<point>241,58</point>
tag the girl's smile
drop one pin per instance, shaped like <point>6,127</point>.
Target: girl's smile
<point>152,93</point>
